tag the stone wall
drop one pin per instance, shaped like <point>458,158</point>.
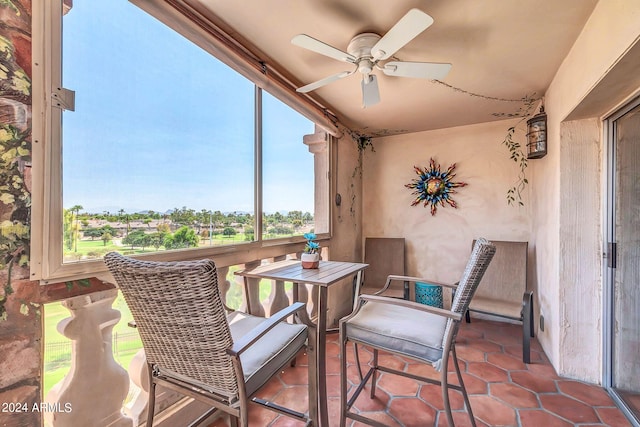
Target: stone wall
<point>20,317</point>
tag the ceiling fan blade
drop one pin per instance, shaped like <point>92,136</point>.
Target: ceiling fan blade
<point>370,92</point>
<point>421,70</point>
<point>405,30</point>
<point>322,48</point>
<point>323,82</point>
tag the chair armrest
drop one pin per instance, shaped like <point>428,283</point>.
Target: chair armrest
<point>396,278</point>
<point>248,339</point>
<point>413,305</point>
<point>420,279</point>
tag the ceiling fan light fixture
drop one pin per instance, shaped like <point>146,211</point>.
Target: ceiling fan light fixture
<point>370,92</point>
<point>365,66</point>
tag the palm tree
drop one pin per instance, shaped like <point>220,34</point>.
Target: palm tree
<point>76,209</point>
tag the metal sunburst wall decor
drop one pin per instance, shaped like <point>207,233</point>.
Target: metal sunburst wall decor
<point>433,187</point>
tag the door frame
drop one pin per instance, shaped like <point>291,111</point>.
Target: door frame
<point>609,236</point>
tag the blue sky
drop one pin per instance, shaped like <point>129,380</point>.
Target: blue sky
<point>161,124</point>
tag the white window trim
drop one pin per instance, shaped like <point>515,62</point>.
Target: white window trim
<point>46,212</point>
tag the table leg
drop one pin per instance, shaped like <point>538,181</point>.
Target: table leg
<point>321,332</point>
<point>356,292</point>
<point>247,300</point>
<point>312,357</point>
<point>294,292</point>
<point>355,306</point>
<point>252,292</point>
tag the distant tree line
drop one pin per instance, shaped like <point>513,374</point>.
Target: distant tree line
<point>188,225</point>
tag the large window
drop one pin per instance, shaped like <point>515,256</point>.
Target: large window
<point>288,197</point>
<point>165,147</point>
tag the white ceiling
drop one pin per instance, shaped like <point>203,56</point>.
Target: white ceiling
<point>505,49</point>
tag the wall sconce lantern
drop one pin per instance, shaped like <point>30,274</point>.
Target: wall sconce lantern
<point>537,135</point>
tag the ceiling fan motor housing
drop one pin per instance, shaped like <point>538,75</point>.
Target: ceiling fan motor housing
<point>360,47</point>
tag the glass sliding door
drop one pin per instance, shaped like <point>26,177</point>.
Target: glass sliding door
<point>624,258</point>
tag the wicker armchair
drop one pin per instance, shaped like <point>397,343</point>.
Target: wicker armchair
<point>420,332</point>
<point>194,345</point>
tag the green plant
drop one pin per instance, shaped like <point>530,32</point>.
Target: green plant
<point>516,153</point>
<point>514,194</point>
<point>311,247</point>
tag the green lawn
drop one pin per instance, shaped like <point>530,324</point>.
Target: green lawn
<point>57,363</point>
<point>96,248</point>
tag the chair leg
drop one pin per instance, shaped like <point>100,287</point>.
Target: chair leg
<point>152,396</point>
<point>531,326</point>
<point>233,421</point>
<point>463,388</point>
<point>467,317</point>
<point>444,383</point>
<point>526,342</point>
<point>527,326</point>
<point>243,421</point>
<point>343,378</point>
<point>374,374</point>
<point>357,355</point>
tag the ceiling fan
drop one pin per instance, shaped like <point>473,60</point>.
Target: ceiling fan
<point>369,51</point>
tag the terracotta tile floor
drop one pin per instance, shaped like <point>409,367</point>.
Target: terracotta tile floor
<point>503,390</point>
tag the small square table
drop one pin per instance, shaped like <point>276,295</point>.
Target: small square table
<point>328,273</point>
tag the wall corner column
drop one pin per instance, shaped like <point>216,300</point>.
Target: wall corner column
<point>318,144</point>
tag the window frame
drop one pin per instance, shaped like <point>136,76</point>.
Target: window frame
<point>46,226</point>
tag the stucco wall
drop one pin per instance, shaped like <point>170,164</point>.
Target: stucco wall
<point>346,220</point>
<point>580,278</point>
<point>569,246</point>
<point>438,246</point>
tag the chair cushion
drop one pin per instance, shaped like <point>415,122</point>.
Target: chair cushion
<point>270,353</point>
<point>398,329</point>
